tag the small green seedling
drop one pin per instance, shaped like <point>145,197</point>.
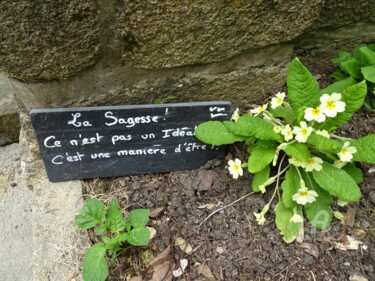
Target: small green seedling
<point>357,67</point>
<point>314,165</point>
<point>117,234</point>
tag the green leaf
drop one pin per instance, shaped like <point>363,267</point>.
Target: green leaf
<point>290,186</point>
<point>112,244</point>
<point>303,89</point>
<point>138,218</point>
<point>95,267</point>
<point>324,144</point>
<point>369,73</point>
<point>319,213</point>
<point>288,229</point>
<point>91,214</point>
<point>139,236</point>
<point>337,182</point>
<point>338,86</point>
<point>284,112</point>
<point>260,178</point>
<point>260,157</point>
<point>298,150</point>
<point>100,229</point>
<point>368,55</point>
<point>354,172</point>
<point>251,126</point>
<point>353,96</point>
<point>338,75</point>
<point>216,133</point>
<point>114,218</point>
<point>353,67</point>
<point>365,149</point>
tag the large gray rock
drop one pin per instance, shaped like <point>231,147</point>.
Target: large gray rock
<point>9,120</point>
<point>15,219</point>
<point>48,39</point>
<point>248,77</point>
<point>158,34</point>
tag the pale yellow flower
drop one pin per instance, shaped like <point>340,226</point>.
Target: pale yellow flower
<point>314,163</point>
<point>302,132</point>
<point>235,115</point>
<point>315,114</point>
<point>346,153</point>
<point>287,132</point>
<point>332,104</point>
<point>259,109</point>
<point>277,100</point>
<point>235,168</point>
<point>304,196</point>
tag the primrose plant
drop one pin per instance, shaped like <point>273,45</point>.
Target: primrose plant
<point>116,233</point>
<point>357,67</point>
<point>312,164</point>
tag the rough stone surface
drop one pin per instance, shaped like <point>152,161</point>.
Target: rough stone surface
<point>15,219</point>
<point>58,246</point>
<point>249,77</point>
<point>9,120</point>
<point>336,39</point>
<point>48,39</point>
<point>341,12</point>
<point>158,34</point>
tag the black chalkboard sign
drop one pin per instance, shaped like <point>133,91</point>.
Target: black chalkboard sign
<point>91,142</point>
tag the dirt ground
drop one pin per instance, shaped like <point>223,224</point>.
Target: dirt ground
<point>230,242</point>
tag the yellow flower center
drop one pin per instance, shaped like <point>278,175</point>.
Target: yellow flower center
<point>236,168</point>
<point>316,111</point>
<point>331,104</point>
<point>260,108</point>
<point>278,100</point>
<point>310,161</point>
<point>344,151</point>
<point>304,132</point>
<point>304,194</point>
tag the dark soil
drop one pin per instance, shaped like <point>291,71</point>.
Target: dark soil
<point>231,242</point>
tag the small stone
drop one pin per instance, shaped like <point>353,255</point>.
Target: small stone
<point>220,250</point>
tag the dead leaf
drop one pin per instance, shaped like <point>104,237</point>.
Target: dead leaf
<point>207,206</point>
<point>136,278</point>
<point>152,232</point>
<point>350,216</point>
<point>161,266</point>
<point>359,233</point>
<point>346,242</point>
<point>357,277</point>
<point>310,249</point>
<point>184,246</point>
<point>229,156</point>
<point>207,274</point>
<point>179,271</point>
<point>156,212</point>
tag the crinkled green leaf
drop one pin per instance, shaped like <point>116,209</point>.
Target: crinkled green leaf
<point>319,212</point>
<point>288,229</point>
<point>251,126</point>
<point>365,149</point>
<point>290,186</point>
<point>284,112</point>
<point>353,96</point>
<point>368,55</point>
<point>303,89</point>
<point>324,144</point>
<point>114,218</point>
<point>260,157</point>
<point>138,217</point>
<point>339,86</point>
<point>352,66</point>
<point>216,133</point>
<point>100,229</point>
<point>354,172</point>
<point>337,182</point>
<point>91,214</point>
<point>369,73</point>
<point>260,178</point>
<point>95,266</point>
<point>298,150</point>
<point>139,236</point>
